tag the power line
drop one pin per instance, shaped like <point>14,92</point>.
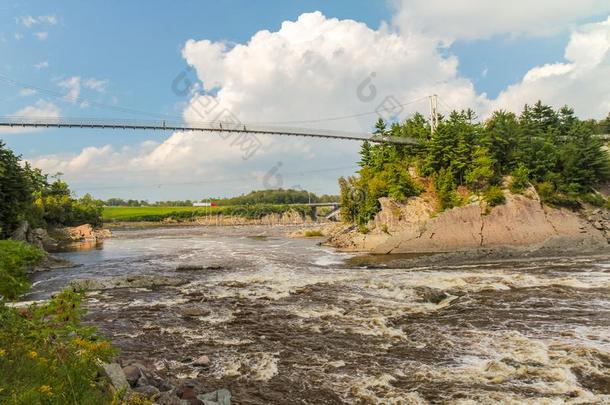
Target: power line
<point>211,127</point>
<point>224,180</point>
<point>348,116</point>
<point>79,99</point>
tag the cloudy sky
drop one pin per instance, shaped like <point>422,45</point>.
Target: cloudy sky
<point>319,64</point>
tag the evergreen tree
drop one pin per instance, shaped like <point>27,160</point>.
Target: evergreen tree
<point>585,162</point>
<point>481,173</point>
<point>15,191</point>
<point>365,155</point>
<point>500,136</point>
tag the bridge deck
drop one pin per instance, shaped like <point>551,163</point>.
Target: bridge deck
<point>211,127</point>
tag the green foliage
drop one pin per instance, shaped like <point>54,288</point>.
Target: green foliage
<point>481,172</point>
<point>27,194</point>
<point>549,194</point>
<point>360,196</point>
<point>520,179</point>
<point>584,162</point>
<point>275,197</point>
<point>55,206</point>
<point>185,214</point>
<point>553,149</point>
<point>312,233</point>
<point>363,229</point>
<point>494,196</point>
<point>594,199</point>
<point>444,183</point>
<point>15,191</point>
<point>48,357</point>
<point>15,259</point>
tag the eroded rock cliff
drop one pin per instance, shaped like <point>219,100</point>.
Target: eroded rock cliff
<point>523,221</point>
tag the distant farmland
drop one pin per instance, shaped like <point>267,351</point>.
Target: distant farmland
<point>155,214</point>
<point>136,213</point>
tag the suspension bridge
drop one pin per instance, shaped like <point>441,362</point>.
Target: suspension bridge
<point>217,127</point>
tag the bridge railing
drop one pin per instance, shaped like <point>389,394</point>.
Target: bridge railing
<point>217,126</point>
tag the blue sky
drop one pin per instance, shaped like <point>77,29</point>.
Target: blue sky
<point>136,47</point>
<point>126,54</point>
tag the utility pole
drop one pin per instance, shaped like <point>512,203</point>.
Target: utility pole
<point>433,113</point>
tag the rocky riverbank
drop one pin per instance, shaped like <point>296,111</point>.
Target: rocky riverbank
<point>61,237</point>
<point>523,225</point>
<point>135,377</point>
<point>56,239</point>
<point>274,219</point>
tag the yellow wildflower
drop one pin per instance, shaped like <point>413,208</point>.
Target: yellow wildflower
<point>2,352</point>
<point>45,389</point>
<point>33,355</point>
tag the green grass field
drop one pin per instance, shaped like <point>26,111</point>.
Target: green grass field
<point>157,214</point>
<point>125,213</point>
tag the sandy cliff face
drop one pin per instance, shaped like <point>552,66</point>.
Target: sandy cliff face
<point>521,222</point>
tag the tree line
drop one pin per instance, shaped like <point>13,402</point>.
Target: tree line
<point>27,194</point>
<point>275,196</point>
<point>560,154</point>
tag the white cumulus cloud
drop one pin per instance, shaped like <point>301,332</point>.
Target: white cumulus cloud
<point>475,19</point>
<point>314,67</point>
<point>40,109</point>
<point>317,67</point>
<point>581,82</point>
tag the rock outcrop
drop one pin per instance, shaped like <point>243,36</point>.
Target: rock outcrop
<point>290,217</point>
<point>523,222</point>
<point>57,237</point>
<point>83,234</point>
<point>34,236</point>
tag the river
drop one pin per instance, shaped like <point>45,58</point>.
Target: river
<point>288,321</point>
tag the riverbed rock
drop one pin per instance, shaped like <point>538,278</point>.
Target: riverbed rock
<point>126,282</point>
<point>188,391</point>
<point>203,361</point>
<point>196,267</point>
<point>148,391</point>
<point>432,295</point>
<point>170,398</point>
<point>115,374</point>
<point>194,312</point>
<point>219,397</point>
<point>132,374</point>
<point>34,236</point>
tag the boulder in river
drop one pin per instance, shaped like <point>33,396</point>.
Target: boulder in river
<point>126,282</point>
<point>115,374</point>
<point>194,311</point>
<point>132,374</point>
<point>202,361</point>
<point>432,295</point>
<point>219,397</point>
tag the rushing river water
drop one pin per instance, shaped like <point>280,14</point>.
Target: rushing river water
<point>287,321</point>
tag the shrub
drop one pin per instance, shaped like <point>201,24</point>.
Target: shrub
<point>520,179</point>
<point>15,258</point>
<point>494,196</point>
<point>313,233</point>
<point>549,195</point>
<point>48,357</point>
<point>594,199</point>
<point>444,184</point>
